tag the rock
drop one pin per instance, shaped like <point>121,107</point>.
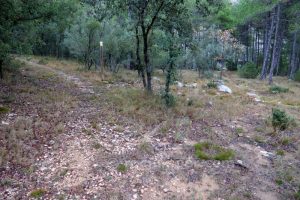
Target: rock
<point>156,78</point>
<point>240,163</point>
<point>166,190</point>
<point>224,88</point>
<point>52,142</point>
<point>194,85</point>
<point>135,196</point>
<point>5,123</point>
<point>267,154</point>
<point>254,96</point>
<point>180,85</point>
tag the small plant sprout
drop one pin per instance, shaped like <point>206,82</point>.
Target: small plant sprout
<point>122,168</point>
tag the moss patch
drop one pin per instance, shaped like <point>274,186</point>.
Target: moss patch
<point>122,168</point>
<point>37,193</point>
<point>4,110</point>
<point>209,151</point>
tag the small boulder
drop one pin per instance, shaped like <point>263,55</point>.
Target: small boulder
<point>224,88</point>
<point>180,85</point>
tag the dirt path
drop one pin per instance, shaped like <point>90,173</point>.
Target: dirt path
<point>93,159</point>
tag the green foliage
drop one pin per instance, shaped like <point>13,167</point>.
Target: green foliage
<point>38,193</point>
<point>280,152</point>
<point>280,120</point>
<point>209,151</point>
<point>297,194</point>
<point>249,71</point>
<point>212,84</point>
<point>3,110</point>
<point>169,99</point>
<point>279,182</point>
<point>122,168</point>
<point>277,89</point>
<point>231,65</point>
<point>297,76</point>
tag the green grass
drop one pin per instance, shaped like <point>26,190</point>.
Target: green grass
<point>280,152</point>
<point>38,193</point>
<point>297,195</point>
<point>4,110</point>
<point>277,89</point>
<point>209,151</point>
<point>285,141</point>
<point>122,168</point>
<point>279,182</point>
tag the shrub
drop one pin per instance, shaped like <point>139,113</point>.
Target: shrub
<point>43,61</point>
<point>280,120</point>
<point>12,65</point>
<point>277,89</point>
<point>231,65</point>
<point>169,99</point>
<point>209,151</point>
<point>297,76</point>
<point>249,70</point>
<point>212,84</point>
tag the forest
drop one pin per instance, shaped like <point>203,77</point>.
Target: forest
<point>150,99</point>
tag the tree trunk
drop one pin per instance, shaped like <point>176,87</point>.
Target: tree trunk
<point>146,60</point>
<point>140,68</point>
<point>293,64</point>
<point>269,34</point>
<point>257,52</point>
<point>277,45</point>
<point>1,69</point>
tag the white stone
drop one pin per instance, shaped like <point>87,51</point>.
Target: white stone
<point>224,88</point>
<point>180,85</point>
<point>266,154</point>
<point>5,123</point>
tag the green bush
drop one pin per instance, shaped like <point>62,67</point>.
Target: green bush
<point>169,99</point>
<point>277,89</point>
<point>249,70</point>
<point>297,76</point>
<point>231,65</point>
<point>212,84</point>
<point>12,65</point>
<point>209,151</point>
<point>280,120</point>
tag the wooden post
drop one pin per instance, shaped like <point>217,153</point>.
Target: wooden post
<point>101,59</point>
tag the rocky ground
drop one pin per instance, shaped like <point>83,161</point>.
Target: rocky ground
<point>94,158</point>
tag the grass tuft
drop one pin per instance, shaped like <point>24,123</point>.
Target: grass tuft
<point>38,193</point>
<point>277,89</point>
<point>122,168</point>
<point>209,151</point>
<point>4,110</point>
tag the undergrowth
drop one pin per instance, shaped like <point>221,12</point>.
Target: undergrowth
<point>210,151</point>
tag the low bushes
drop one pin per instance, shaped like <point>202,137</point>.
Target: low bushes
<point>277,89</point>
<point>280,120</point>
<point>249,71</point>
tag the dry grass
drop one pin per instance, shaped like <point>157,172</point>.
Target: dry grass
<point>42,118</point>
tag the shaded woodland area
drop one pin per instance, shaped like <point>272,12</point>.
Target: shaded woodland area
<point>141,34</point>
